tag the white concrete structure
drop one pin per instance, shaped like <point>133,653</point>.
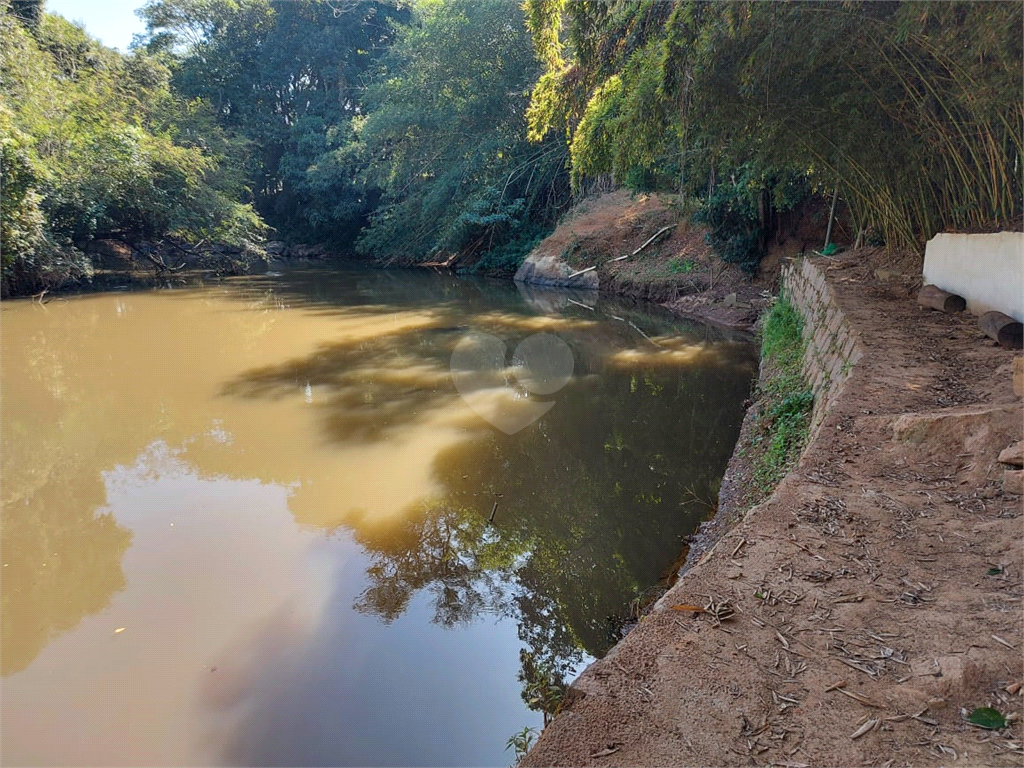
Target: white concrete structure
<point>987,270</point>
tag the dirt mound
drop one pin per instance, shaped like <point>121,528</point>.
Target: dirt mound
<point>677,268</point>
<point>606,226</point>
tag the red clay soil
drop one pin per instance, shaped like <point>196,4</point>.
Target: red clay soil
<point>869,605</point>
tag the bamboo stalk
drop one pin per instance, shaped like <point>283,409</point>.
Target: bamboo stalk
<point>831,216</point>
<point>581,272</point>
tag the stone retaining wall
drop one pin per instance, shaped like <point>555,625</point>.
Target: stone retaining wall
<point>833,347</point>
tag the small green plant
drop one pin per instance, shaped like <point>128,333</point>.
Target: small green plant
<point>788,422</point>
<point>521,742</point>
<point>570,250</point>
<point>781,338</point>
<point>543,686</point>
<point>677,267</point>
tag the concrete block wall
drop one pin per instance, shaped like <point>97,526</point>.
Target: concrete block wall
<point>832,345</point>
<point>987,270</point>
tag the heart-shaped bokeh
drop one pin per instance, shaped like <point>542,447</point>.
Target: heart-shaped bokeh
<point>542,364</point>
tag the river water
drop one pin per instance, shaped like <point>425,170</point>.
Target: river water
<point>248,522</point>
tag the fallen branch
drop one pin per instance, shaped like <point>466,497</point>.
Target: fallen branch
<point>647,242</point>
<point>189,251</point>
<point>160,265</point>
<point>1003,642</point>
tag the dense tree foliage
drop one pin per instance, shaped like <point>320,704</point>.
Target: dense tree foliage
<point>445,139</point>
<point>912,108</point>
<point>423,130</point>
<point>414,118</point>
<point>288,75</point>
<point>96,144</point>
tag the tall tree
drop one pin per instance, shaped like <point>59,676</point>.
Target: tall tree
<point>445,139</point>
<point>96,144</point>
<point>289,76</point>
<point>760,89</point>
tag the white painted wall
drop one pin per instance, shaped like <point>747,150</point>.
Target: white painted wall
<point>987,270</point>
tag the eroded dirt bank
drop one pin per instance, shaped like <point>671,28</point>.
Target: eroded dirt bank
<point>639,246</point>
<point>875,597</point>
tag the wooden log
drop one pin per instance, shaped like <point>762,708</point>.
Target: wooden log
<point>933,297</point>
<point>1003,328</point>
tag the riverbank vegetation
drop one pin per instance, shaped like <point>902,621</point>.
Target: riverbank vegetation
<point>445,141</point>
<point>96,144</point>
<point>459,132</point>
<point>784,401</point>
<point>910,111</point>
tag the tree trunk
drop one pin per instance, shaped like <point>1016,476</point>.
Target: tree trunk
<point>934,297</point>
<point>764,211</point>
<point>1003,328</point>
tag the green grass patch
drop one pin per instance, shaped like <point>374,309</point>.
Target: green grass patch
<point>782,335</point>
<point>784,400</point>
<point>678,267</point>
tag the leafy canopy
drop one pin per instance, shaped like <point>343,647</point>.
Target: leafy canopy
<point>913,108</point>
<point>97,144</point>
<point>444,138</point>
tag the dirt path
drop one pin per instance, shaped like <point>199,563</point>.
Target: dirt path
<point>875,598</point>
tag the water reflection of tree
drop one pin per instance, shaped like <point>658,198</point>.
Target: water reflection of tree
<point>593,499</point>
<point>592,503</point>
<point>61,559</point>
<point>60,569</point>
<point>449,551</point>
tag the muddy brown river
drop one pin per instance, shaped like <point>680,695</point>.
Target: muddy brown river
<point>261,522</point>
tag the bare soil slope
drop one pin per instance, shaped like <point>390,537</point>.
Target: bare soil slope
<point>869,604</point>
<point>678,268</point>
